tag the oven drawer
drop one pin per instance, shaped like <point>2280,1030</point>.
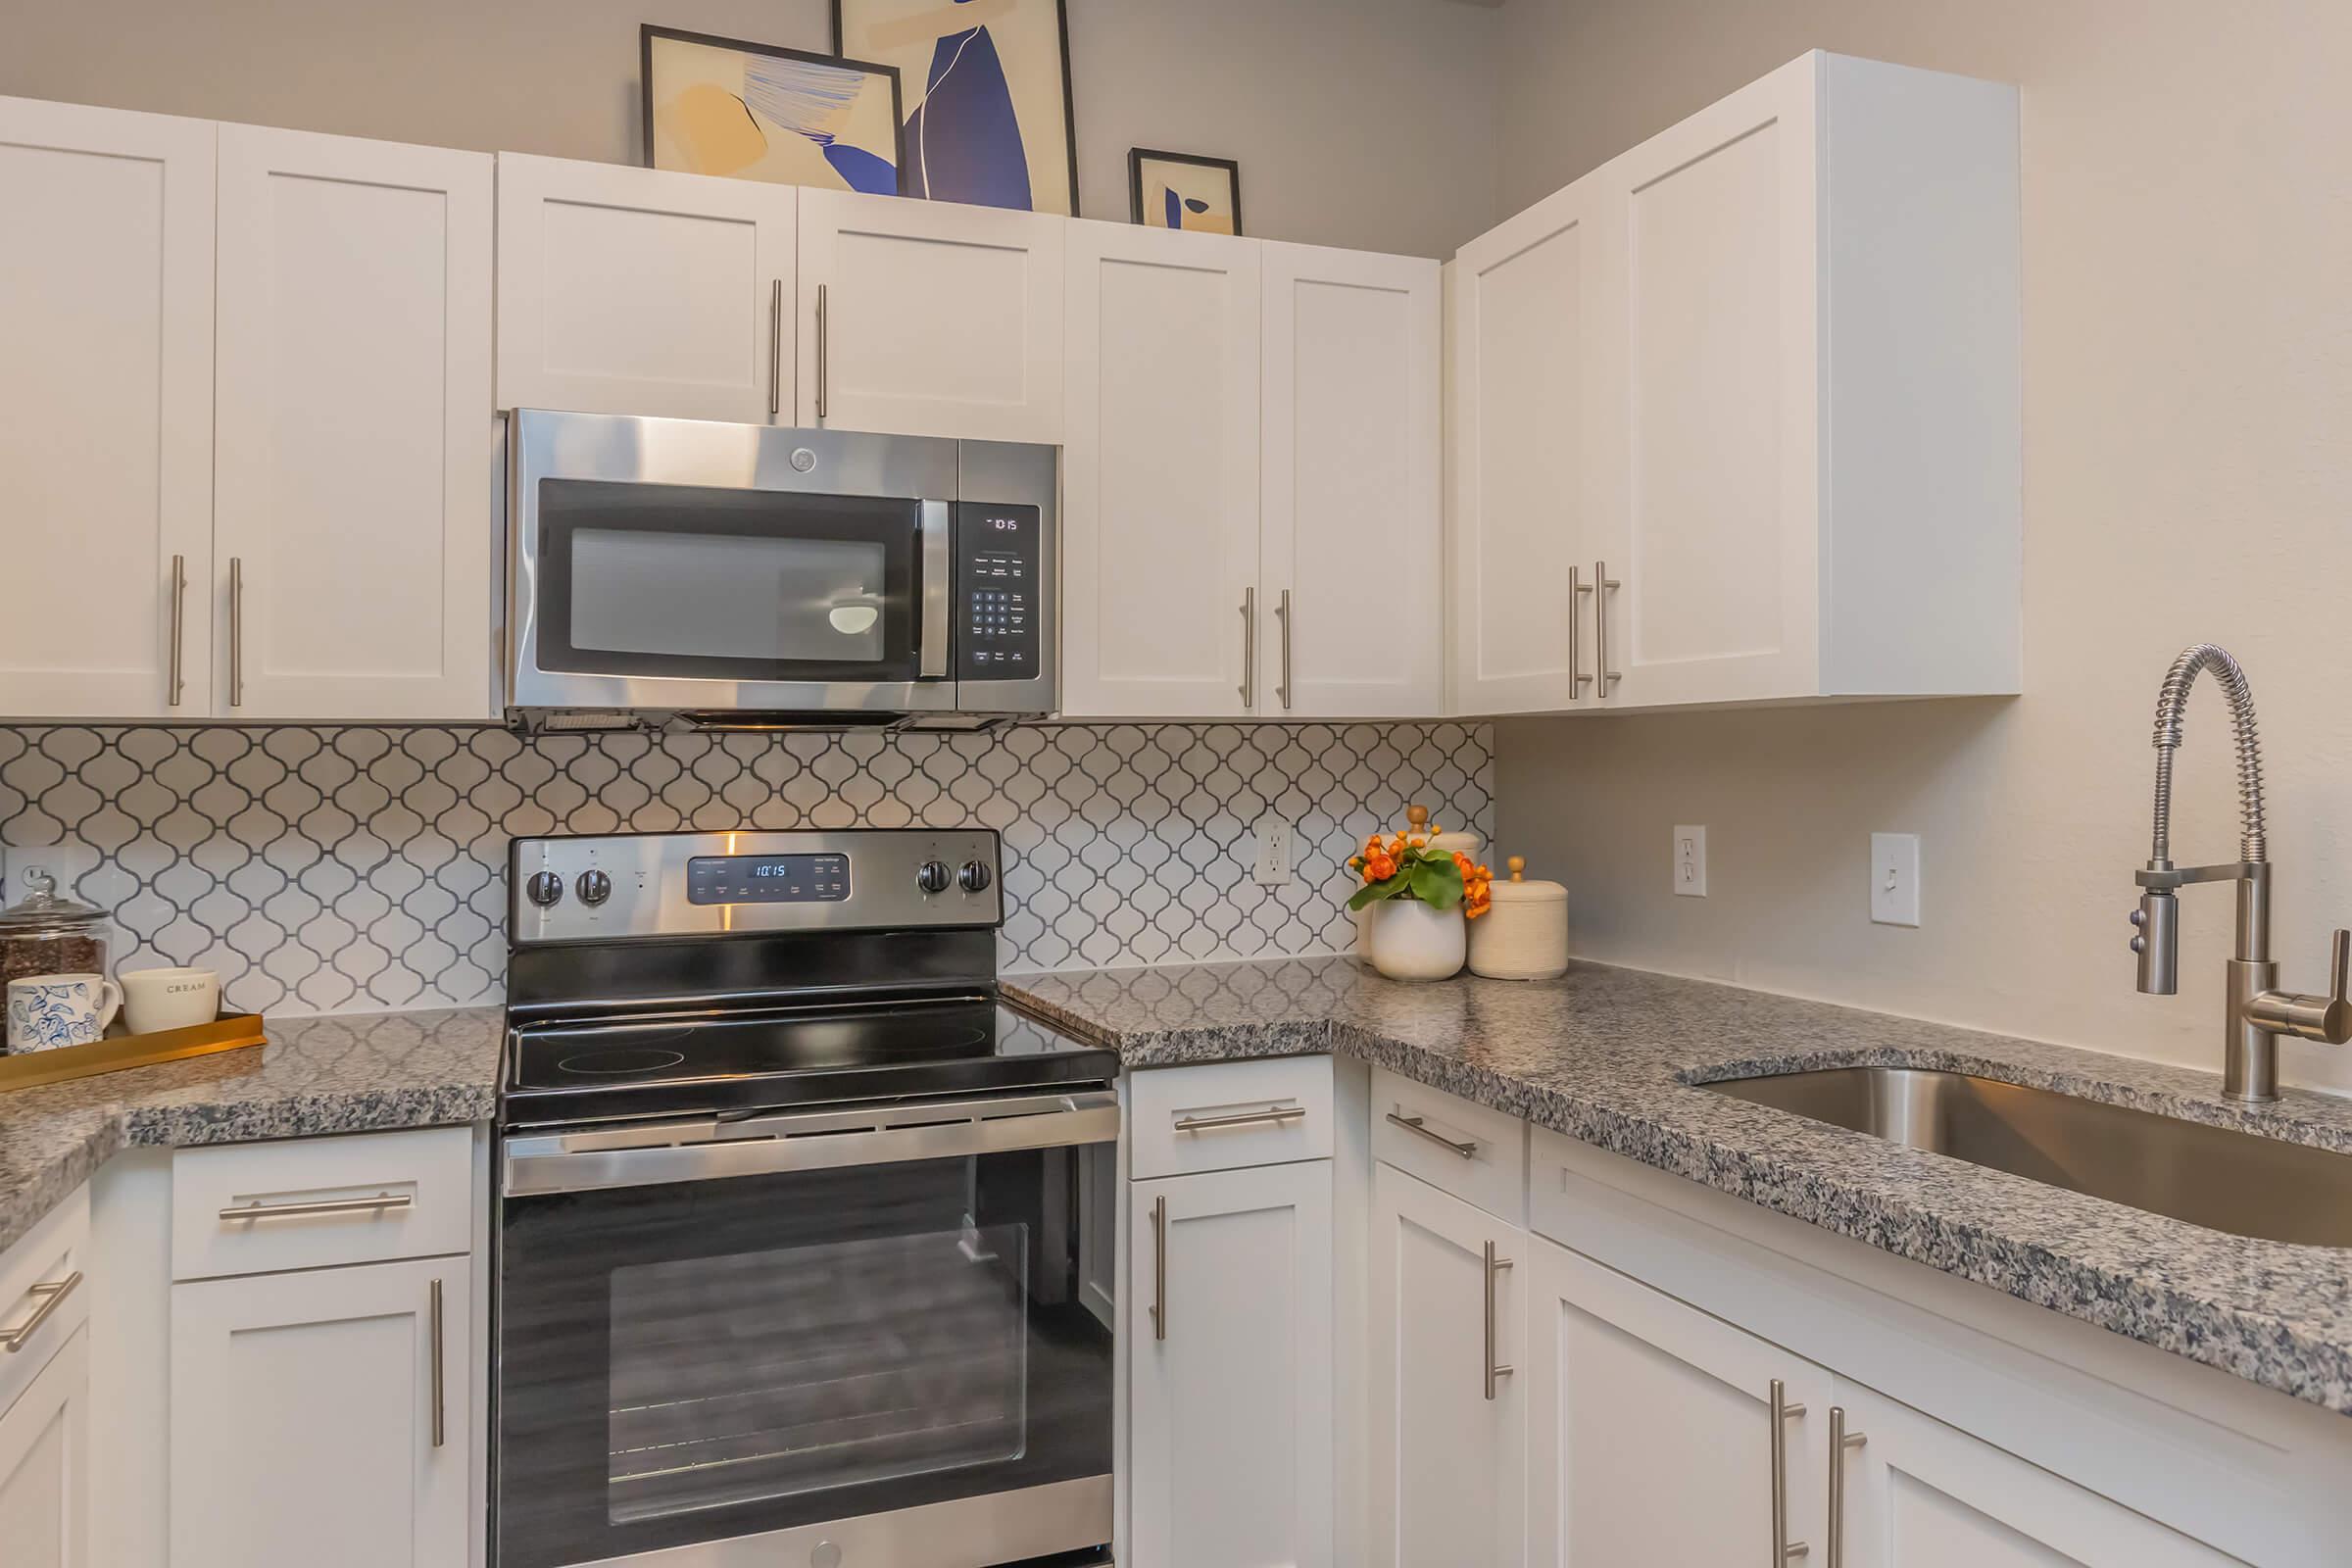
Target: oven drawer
<point>1476,1155</point>
<point>317,1201</point>
<point>1226,1114</point>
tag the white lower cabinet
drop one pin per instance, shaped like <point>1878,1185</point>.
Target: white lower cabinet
<point>1229,1306</point>
<point>322,1417</point>
<point>44,1464</point>
<point>1449,1394</point>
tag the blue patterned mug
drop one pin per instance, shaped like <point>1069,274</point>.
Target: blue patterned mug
<point>48,1011</point>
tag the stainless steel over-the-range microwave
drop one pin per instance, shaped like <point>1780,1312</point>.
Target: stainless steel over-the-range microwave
<point>740,570</point>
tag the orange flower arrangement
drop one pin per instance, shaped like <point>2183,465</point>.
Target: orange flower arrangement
<point>1404,866</point>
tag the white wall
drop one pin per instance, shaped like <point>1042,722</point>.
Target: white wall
<point>2187,214</point>
<point>1360,122</point>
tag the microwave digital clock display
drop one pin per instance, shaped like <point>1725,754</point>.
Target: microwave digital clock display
<point>767,879</point>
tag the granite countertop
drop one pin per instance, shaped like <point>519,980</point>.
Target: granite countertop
<point>341,1075</point>
<point>1610,1056</point>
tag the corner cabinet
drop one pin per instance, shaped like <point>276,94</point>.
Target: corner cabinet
<point>1782,341</point>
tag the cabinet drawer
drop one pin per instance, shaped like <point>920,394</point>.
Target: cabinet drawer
<point>44,1287</point>
<point>1476,1155</point>
<point>319,1201</point>
<point>1226,1114</point>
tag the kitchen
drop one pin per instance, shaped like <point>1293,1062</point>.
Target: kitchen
<point>1609,1267</point>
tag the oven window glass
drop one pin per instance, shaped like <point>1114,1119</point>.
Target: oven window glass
<point>800,1369</point>
<point>677,581</point>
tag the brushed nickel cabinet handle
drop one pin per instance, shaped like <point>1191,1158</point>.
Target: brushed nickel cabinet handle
<point>236,631</point>
<point>1494,1373</point>
<point>824,352</point>
<point>338,1205</point>
<point>775,347</point>
<point>1840,1439</point>
<point>1414,1124</point>
<point>1160,1267</point>
<point>179,619</point>
<point>1577,680</point>
<point>52,1297</point>
<point>1245,1118</point>
<point>1782,1412</point>
<point>437,1368</point>
<point>1606,585</point>
<point>1249,647</point>
<point>1282,612</point>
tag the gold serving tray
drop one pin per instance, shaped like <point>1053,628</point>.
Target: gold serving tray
<point>129,1051</point>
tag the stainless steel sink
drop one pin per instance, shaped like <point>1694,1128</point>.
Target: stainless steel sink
<point>2230,1181</point>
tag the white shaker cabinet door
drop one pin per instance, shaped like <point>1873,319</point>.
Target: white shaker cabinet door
<point>642,292</point>
<point>1529,439</point>
<point>322,1417</point>
<point>1351,490</point>
<point>105,412</point>
<point>45,1464</point>
<point>1713,534</point>
<point>1229,1306</point>
<point>1162,614</point>
<point>1651,1431</point>
<point>1448,1385</point>
<point>1917,1494</point>
<point>355,468</point>
<point>930,319</point>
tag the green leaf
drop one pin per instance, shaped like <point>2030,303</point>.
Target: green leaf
<point>1398,886</point>
<point>1437,883</point>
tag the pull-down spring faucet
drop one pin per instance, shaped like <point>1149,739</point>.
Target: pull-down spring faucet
<point>2258,1011</point>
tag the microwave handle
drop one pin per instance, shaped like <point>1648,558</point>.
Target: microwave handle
<point>938,531</point>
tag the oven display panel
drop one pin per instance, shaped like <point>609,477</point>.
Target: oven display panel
<point>767,879</point>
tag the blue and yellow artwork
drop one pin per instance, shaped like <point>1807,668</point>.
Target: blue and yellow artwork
<point>1177,190</point>
<point>716,106</point>
<point>986,96</point>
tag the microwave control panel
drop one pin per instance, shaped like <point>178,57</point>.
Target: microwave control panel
<point>997,567</point>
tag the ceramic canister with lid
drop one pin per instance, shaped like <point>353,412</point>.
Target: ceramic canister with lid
<point>1524,933</point>
<point>1416,821</point>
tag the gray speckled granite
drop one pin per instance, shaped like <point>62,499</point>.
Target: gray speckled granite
<point>341,1074</point>
<point>1610,1057</point>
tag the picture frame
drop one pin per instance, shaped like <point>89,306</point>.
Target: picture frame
<point>1015,112</point>
<point>1157,179</point>
<point>793,117</point>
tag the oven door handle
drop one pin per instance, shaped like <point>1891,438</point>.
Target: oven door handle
<point>938,531</point>
<point>539,1164</point>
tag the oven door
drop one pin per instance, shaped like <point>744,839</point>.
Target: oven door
<point>759,1337</point>
<point>671,563</point>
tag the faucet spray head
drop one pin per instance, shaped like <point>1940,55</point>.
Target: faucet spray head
<point>2158,942</point>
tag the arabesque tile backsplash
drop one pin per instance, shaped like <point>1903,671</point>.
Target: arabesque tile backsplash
<point>356,868</point>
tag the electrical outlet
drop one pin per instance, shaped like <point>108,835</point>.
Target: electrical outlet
<point>1273,852</point>
<point>69,863</point>
<point>1691,862</point>
<point>1895,878</point>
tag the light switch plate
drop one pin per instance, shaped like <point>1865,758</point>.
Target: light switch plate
<point>1895,878</point>
<point>1691,862</point>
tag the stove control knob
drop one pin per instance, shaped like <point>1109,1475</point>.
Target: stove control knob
<point>976,876</point>
<point>595,886</point>
<point>544,889</point>
<point>932,876</point>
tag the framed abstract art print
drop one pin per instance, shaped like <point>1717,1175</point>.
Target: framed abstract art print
<point>1178,190</point>
<point>753,111</point>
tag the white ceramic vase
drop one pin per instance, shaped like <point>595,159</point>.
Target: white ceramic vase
<point>1409,940</point>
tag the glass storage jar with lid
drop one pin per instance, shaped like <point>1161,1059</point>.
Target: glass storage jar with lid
<point>46,934</point>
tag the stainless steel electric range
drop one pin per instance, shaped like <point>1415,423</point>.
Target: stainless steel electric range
<point>791,1258</point>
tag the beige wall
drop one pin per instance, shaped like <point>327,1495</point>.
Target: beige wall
<point>1360,123</point>
<point>2189,475</point>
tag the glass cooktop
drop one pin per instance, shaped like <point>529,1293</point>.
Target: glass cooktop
<point>725,1061</point>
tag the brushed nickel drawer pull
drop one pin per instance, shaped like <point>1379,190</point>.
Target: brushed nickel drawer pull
<point>1840,1439</point>
<point>174,682</point>
<point>1249,648</point>
<point>1602,584</point>
<point>1282,612</point>
<point>1782,1412</point>
<point>1494,1266</point>
<point>1413,1124</point>
<point>1245,1118</point>
<point>339,1206</point>
<point>1160,1267</point>
<point>775,347</point>
<point>236,631</point>
<point>824,354</point>
<point>439,1367</point>
<point>52,1297</point>
<point>1577,680</point>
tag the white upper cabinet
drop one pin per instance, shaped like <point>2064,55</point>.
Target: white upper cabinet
<point>1796,318</point>
<point>930,319</point>
<point>1162,616</point>
<point>354,461</point>
<point>640,291</point>
<point>1527,447</point>
<point>1353,546</point>
<point>106,410</point>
